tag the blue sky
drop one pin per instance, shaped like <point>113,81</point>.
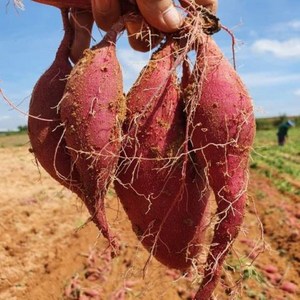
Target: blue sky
<point>268,53</point>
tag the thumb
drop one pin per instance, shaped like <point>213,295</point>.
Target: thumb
<point>160,14</point>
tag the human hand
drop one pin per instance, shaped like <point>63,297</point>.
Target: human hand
<point>160,14</point>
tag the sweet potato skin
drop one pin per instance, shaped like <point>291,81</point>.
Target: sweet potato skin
<point>166,205</point>
<point>91,110</point>
<point>46,136</point>
<point>222,134</point>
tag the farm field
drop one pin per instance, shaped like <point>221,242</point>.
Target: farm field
<point>47,251</point>
<point>280,164</point>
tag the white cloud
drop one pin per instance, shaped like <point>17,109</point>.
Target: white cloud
<point>286,28</point>
<point>297,92</point>
<point>281,49</point>
<point>295,24</point>
<point>268,79</point>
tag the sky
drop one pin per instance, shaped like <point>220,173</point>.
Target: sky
<point>267,53</point>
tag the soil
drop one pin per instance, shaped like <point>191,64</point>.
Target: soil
<point>47,251</point>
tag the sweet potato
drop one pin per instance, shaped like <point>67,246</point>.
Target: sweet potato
<point>222,132</point>
<point>158,186</point>
<point>92,110</point>
<point>44,125</point>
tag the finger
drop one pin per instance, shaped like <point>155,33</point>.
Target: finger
<point>212,5</point>
<point>106,12</point>
<point>82,22</point>
<point>161,14</point>
<point>142,37</point>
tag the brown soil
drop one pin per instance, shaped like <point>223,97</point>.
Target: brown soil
<point>45,254</point>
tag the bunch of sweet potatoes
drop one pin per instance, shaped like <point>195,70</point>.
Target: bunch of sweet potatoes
<point>164,146</point>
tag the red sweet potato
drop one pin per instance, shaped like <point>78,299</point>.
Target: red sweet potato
<point>92,110</point>
<point>44,125</point>
<point>222,134</point>
<point>67,3</point>
<point>164,198</point>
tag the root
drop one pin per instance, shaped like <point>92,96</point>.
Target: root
<point>18,4</point>
<point>161,226</point>
<point>148,35</point>
<point>11,104</point>
<point>71,182</point>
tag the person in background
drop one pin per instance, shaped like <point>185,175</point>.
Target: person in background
<point>282,132</point>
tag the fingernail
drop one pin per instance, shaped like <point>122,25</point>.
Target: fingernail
<point>172,18</point>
